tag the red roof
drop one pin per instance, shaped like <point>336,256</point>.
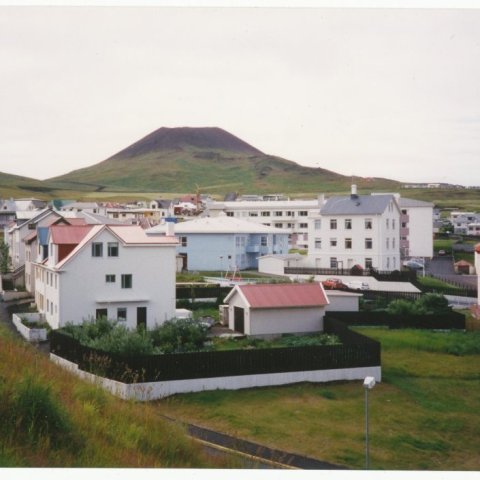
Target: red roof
<point>284,295</point>
<point>69,234</point>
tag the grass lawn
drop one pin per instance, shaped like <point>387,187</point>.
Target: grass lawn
<point>423,416</point>
<point>432,282</point>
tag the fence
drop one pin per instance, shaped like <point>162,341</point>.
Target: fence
<point>194,291</point>
<point>356,351</point>
<point>448,321</point>
<point>384,276</point>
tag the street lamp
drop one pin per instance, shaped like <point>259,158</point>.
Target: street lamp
<point>368,384</point>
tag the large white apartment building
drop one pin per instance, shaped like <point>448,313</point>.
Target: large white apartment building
<point>291,215</point>
<point>354,230</point>
<point>105,270</point>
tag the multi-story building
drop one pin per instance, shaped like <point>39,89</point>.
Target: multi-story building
<point>355,230</point>
<point>105,270</point>
<point>416,228</point>
<point>291,215</point>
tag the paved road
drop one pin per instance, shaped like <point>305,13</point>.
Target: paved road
<point>442,268</point>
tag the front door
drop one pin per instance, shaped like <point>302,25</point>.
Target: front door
<point>142,317</point>
<point>239,319</point>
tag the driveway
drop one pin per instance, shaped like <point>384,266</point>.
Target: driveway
<point>442,268</point>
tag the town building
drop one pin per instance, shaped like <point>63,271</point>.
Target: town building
<point>223,242</point>
<point>356,230</point>
<point>290,215</point>
<point>115,271</point>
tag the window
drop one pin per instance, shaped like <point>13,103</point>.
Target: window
<point>302,213</point>
<point>333,242</point>
<point>404,212</point>
<point>348,243</point>
<point>348,224</point>
<point>318,224</point>
<point>333,262</point>
<point>115,215</point>
<point>368,243</point>
<point>289,213</point>
<point>393,223</point>
<point>388,243</point>
<point>127,280</point>
<point>112,249</point>
<point>303,225</point>
<point>183,241</point>
<point>110,278</point>
<point>388,223</point>
<point>368,263</point>
<point>368,224</point>
<point>122,314</point>
<point>404,224</point>
<point>229,214</point>
<point>97,249</point>
<point>265,214</point>
<point>252,214</point>
<point>278,225</point>
<point>333,224</point>
<point>393,242</point>
<point>318,243</point>
<point>279,214</point>
<point>263,241</point>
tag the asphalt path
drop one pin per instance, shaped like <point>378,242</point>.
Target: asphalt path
<point>443,269</point>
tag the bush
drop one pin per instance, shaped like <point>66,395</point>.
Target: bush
<point>179,335</point>
<point>121,341</point>
<point>402,307</point>
<point>427,304</point>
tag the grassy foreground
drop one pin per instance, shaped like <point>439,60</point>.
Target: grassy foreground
<point>423,416</point>
<point>49,418</point>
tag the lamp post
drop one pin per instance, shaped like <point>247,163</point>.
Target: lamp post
<point>368,384</point>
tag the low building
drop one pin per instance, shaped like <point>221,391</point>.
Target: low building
<point>269,310</point>
<point>223,243</point>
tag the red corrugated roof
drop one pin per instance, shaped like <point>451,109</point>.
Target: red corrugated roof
<point>69,234</point>
<point>76,221</point>
<point>284,295</point>
<point>31,236</point>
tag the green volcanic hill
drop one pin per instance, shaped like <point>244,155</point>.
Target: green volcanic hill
<point>16,186</point>
<point>184,159</point>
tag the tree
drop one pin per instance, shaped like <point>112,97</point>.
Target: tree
<point>4,257</point>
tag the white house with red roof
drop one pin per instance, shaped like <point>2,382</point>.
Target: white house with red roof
<point>115,271</point>
<point>274,309</point>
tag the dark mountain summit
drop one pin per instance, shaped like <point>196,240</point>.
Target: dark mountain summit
<point>206,138</point>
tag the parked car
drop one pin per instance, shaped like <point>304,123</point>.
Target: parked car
<point>413,264</point>
<point>333,284</point>
<point>442,252</point>
<point>358,285</point>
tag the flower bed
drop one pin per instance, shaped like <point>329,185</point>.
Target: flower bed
<point>31,326</point>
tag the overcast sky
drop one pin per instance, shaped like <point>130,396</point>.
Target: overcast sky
<point>370,92</point>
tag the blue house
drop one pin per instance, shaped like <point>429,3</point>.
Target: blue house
<point>224,243</point>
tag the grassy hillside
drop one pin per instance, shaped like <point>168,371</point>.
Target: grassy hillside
<point>49,418</point>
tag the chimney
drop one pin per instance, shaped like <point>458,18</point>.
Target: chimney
<point>170,229</point>
<point>354,192</point>
<point>321,200</point>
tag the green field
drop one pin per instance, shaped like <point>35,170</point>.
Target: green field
<point>423,416</point>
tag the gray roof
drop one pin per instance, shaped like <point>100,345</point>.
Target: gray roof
<point>356,205</point>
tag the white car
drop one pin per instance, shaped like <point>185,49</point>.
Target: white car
<point>358,285</point>
<point>413,264</point>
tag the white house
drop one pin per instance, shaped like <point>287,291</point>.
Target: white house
<point>223,243</point>
<point>267,310</point>
<point>354,230</point>
<point>105,270</point>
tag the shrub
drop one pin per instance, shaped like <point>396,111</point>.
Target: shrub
<point>433,303</point>
<point>179,335</point>
<point>402,307</point>
<point>121,341</point>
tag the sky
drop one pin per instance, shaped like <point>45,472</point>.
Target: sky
<point>371,92</point>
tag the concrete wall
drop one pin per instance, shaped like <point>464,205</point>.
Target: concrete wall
<point>30,334</point>
<point>343,302</point>
<point>420,234</point>
<point>154,390</point>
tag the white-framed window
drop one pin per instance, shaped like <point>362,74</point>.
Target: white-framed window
<point>318,243</point>
<point>263,241</point>
<point>318,224</point>
<point>333,242</point>
<point>368,263</point>
<point>368,224</point>
<point>97,249</point>
<point>110,278</point>
<point>112,249</point>
<point>127,280</point>
<point>348,243</point>
<point>265,214</point>
<point>303,225</point>
<point>333,262</point>
<point>303,213</point>
<point>122,314</point>
<point>278,214</point>
<point>183,241</point>
<point>333,224</point>
<point>348,224</point>
<point>368,243</point>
